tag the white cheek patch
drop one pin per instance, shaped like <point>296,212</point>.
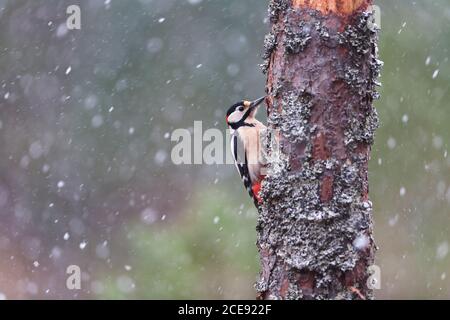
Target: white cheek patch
<point>235,117</point>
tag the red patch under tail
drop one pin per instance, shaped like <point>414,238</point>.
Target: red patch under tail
<point>256,188</point>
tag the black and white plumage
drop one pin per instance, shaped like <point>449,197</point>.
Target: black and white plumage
<point>246,146</point>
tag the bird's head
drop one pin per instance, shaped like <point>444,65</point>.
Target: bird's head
<point>239,112</point>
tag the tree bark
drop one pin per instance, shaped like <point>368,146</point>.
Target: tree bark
<point>315,223</point>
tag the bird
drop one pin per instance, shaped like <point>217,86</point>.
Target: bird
<point>246,132</point>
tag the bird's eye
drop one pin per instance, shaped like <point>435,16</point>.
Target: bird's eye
<point>241,109</point>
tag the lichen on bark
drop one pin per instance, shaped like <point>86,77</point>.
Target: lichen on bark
<point>315,223</point>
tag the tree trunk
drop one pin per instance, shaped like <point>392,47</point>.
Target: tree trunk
<point>315,224</point>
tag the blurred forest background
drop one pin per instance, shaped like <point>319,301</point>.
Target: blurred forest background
<point>85,171</point>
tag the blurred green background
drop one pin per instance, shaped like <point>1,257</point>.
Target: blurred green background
<point>85,171</point>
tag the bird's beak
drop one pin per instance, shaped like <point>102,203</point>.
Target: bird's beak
<point>254,104</point>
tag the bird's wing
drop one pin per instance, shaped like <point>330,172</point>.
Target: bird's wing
<point>241,163</point>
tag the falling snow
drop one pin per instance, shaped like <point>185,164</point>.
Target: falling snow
<point>435,74</point>
<point>87,178</point>
<point>195,2</point>
<point>233,69</point>
<point>402,191</point>
<point>392,143</point>
<point>97,121</point>
<point>361,242</point>
<point>393,220</point>
<point>83,245</point>
<point>160,157</point>
<point>438,142</point>
<point>125,284</point>
<point>405,118</point>
<point>442,250</point>
<point>149,216</point>
<point>154,45</point>
<point>36,150</point>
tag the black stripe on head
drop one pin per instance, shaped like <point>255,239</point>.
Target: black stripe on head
<point>241,122</point>
<point>234,107</point>
<point>246,114</point>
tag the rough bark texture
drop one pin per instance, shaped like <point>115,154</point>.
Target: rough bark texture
<point>315,225</point>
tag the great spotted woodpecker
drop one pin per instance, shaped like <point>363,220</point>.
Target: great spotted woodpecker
<point>246,145</point>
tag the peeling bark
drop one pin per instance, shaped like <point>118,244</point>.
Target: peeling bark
<point>315,223</point>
